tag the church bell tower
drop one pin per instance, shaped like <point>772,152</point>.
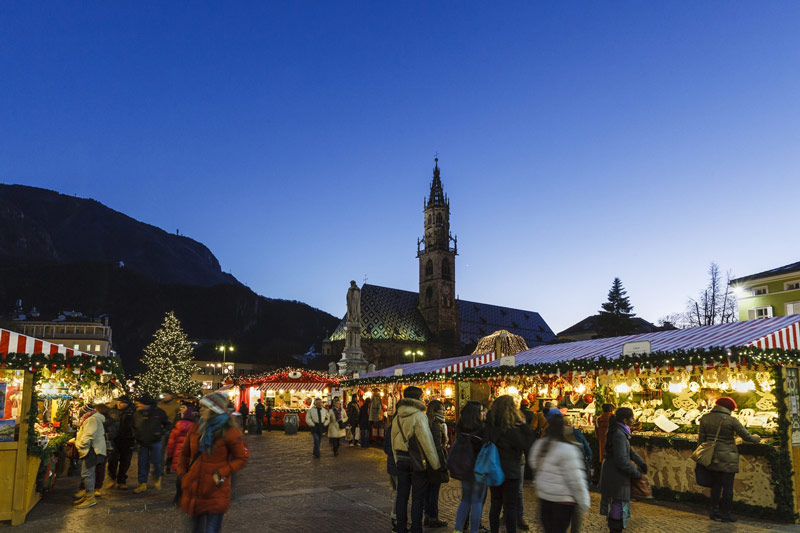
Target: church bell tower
<point>437,267</point>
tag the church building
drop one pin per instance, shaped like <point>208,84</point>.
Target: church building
<point>400,326</point>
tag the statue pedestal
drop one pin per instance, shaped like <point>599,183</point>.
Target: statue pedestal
<point>353,356</point>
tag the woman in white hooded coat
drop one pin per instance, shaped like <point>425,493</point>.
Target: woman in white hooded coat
<point>560,478</point>
<point>91,444</point>
<point>337,428</point>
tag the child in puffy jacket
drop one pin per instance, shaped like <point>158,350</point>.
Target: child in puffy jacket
<point>178,435</point>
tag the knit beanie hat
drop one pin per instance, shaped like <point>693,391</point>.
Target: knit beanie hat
<point>727,402</point>
<point>551,414</point>
<point>216,401</point>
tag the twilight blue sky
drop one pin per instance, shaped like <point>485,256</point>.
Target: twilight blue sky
<point>577,141</point>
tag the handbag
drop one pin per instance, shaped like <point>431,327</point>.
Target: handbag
<point>71,451</point>
<point>178,488</point>
<point>703,476</point>
<point>418,461</point>
<point>640,488</point>
<point>487,466</point>
<point>704,454</point>
<point>342,424</point>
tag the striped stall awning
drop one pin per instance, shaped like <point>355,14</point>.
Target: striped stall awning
<point>297,387</point>
<point>13,342</point>
<point>477,360</point>
<point>434,365</point>
<point>779,332</point>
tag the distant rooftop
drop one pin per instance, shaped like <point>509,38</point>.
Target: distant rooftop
<point>785,269</point>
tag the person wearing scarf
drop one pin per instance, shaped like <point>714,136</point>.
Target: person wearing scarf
<point>212,451</point>
<point>617,470</point>
<point>431,494</point>
<point>337,427</point>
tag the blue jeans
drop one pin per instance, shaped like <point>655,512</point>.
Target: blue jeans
<point>472,496</point>
<point>149,454</point>
<point>317,439</point>
<point>520,508</point>
<point>409,483</point>
<point>89,465</point>
<point>207,523</point>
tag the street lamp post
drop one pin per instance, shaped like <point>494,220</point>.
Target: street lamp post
<point>413,354</point>
<point>224,349</point>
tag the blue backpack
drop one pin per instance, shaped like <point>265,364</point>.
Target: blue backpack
<point>487,466</point>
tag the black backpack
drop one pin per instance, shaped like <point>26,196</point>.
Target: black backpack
<point>461,460</point>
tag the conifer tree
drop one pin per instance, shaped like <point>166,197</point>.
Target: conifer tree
<point>615,317</point>
<point>169,361</point>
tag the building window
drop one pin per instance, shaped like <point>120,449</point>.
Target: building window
<point>76,347</point>
<point>429,268</point>
<point>429,295</point>
<point>760,312</point>
<point>446,269</point>
<point>96,347</point>
<point>430,219</point>
<point>438,218</point>
<point>758,291</point>
<point>793,308</point>
<point>791,285</point>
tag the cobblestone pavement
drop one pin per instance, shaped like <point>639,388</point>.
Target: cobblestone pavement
<point>283,489</point>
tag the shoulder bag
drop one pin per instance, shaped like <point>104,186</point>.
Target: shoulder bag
<point>418,461</point>
<point>704,454</point>
<point>487,466</point>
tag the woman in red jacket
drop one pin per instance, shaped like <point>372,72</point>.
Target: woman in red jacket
<point>212,451</point>
<point>178,435</point>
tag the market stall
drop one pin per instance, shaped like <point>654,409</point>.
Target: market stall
<point>289,391</point>
<point>670,379</point>
<point>39,382</point>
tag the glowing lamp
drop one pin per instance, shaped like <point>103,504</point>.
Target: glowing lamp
<point>448,392</point>
<point>676,388</point>
<point>513,391</point>
<point>622,388</point>
<point>580,389</point>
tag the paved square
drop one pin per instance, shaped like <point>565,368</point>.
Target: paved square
<point>283,489</point>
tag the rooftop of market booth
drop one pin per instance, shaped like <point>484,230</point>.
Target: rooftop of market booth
<point>779,332</point>
<point>450,364</point>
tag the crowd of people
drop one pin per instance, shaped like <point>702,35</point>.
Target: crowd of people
<point>201,442</point>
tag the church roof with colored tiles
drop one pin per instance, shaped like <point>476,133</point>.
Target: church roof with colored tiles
<point>392,314</point>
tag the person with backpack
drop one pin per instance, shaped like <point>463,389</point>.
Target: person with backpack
<point>506,429</point>
<point>723,428</point>
<point>413,447</point>
<point>461,463</point>
<point>617,470</point>
<point>560,476</point>
<point>434,483</point>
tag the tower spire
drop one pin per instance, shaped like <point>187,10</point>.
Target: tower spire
<point>436,197</point>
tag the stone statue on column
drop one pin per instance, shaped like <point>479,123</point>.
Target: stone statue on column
<point>353,356</point>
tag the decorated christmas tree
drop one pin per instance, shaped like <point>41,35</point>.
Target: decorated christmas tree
<point>169,361</point>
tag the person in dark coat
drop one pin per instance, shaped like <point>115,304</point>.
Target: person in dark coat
<point>352,418</point>
<point>119,459</point>
<point>391,469</point>
<point>617,470</point>
<point>438,428</point>
<point>506,428</point>
<point>725,463</point>
<point>364,423</point>
<point>244,411</point>
<point>471,427</point>
<point>260,412</point>
<point>149,424</point>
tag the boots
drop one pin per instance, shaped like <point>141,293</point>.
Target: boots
<point>157,483</point>
<point>110,484</point>
<point>141,488</point>
<point>715,515</point>
<point>89,501</point>
<point>80,494</point>
<point>122,486</point>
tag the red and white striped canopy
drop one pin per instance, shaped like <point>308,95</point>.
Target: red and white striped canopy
<point>302,386</point>
<point>13,342</point>
<point>787,338</point>
<point>476,361</point>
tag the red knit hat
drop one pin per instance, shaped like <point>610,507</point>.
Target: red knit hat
<point>727,402</point>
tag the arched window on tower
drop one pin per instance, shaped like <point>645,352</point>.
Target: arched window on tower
<point>430,219</point>
<point>429,295</point>
<point>429,268</point>
<point>446,270</point>
<point>438,218</point>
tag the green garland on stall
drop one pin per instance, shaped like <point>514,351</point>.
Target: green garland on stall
<point>35,363</point>
<point>717,355</point>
